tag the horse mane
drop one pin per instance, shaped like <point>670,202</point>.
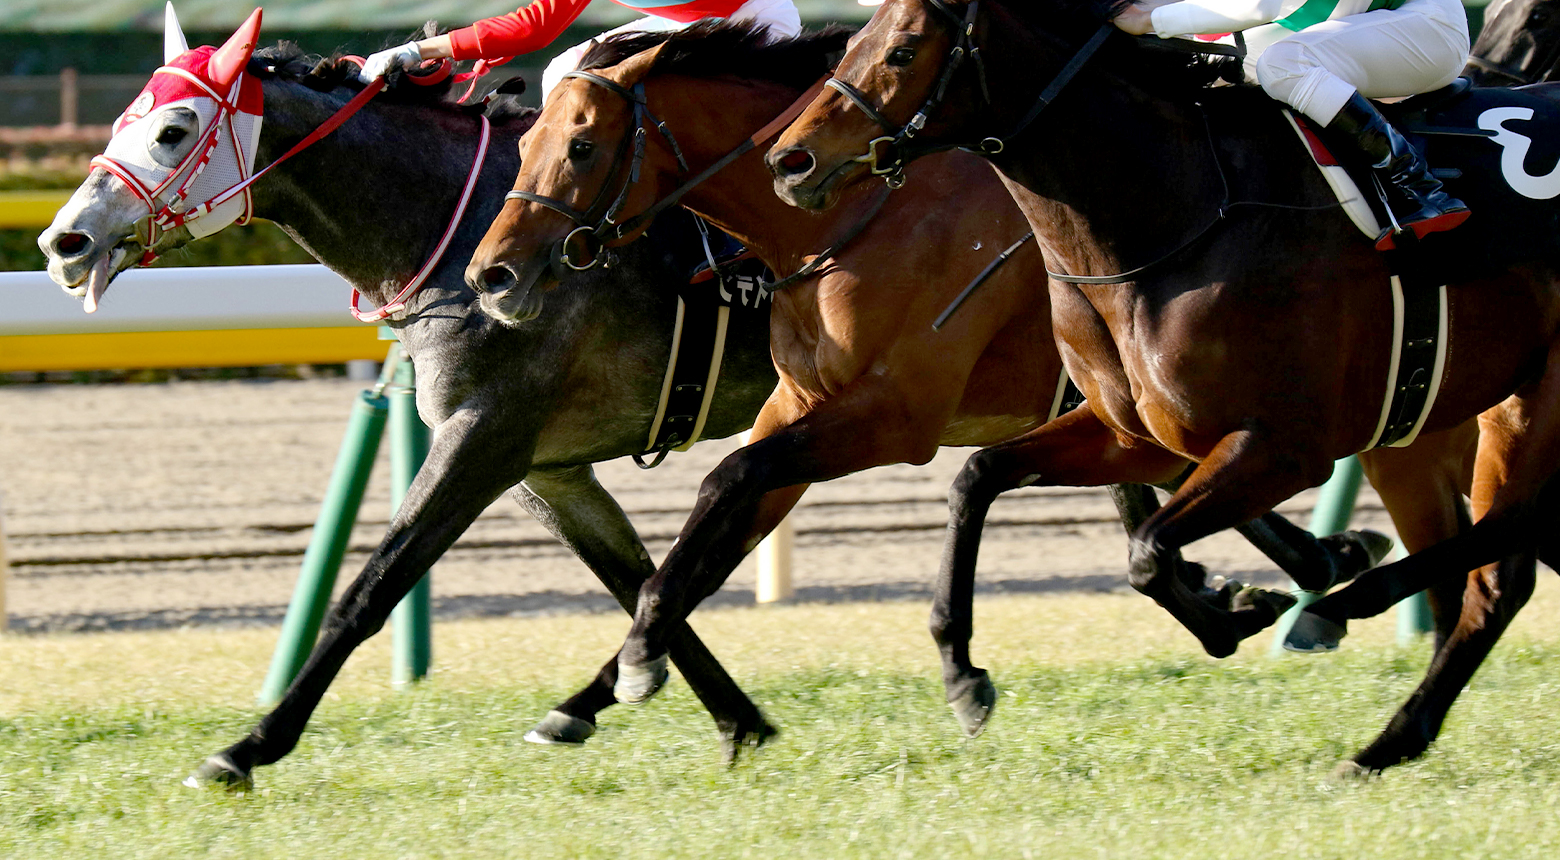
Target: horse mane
<point>286,61</point>
<point>1147,61</point>
<point>720,47</point>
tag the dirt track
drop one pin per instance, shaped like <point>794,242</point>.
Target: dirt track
<point>191,503</point>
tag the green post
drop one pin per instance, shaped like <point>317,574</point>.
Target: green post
<point>1413,619</point>
<point>328,543</point>
<point>410,622</point>
<point>1333,509</point>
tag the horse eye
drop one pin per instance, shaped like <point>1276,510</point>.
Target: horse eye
<point>901,56</point>
<point>171,136</point>
<point>580,149</point>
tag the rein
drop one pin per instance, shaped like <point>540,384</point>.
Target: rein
<point>416,283</point>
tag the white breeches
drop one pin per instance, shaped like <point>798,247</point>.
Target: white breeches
<point>780,15</point>
<point>1415,48</point>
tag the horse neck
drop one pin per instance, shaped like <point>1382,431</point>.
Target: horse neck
<point>372,199</point>
<point>713,117</point>
<point>1114,174</point>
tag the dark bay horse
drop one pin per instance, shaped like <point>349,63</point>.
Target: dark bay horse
<point>1520,44</point>
<point>1260,351</point>
<point>523,408</point>
<point>865,379</point>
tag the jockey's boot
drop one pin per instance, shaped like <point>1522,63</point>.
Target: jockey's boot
<point>1429,208</point>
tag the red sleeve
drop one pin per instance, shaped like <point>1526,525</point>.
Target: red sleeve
<point>520,32</point>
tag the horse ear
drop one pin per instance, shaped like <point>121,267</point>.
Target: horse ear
<point>174,43</point>
<point>230,59</point>
<point>633,69</point>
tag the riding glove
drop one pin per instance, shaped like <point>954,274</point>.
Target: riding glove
<point>384,62</point>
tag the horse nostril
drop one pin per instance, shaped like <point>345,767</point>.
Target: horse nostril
<point>796,162</point>
<point>71,244</point>
<point>497,276</point>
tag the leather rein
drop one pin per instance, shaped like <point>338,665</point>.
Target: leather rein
<point>597,225</point>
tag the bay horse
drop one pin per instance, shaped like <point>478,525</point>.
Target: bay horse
<point>866,380</point>
<point>523,408</point>
<point>1249,349</point>
<point>1520,44</point>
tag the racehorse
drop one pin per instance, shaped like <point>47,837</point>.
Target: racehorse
<point>865,377</point>
<point>523,408</point>
<point>1249,346</point>
<point>1520,44</point>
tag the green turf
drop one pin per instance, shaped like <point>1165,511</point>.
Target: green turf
<point>1170,758</point>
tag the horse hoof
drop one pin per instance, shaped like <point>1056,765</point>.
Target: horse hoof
<point>733,741</point>
<point>560,729</point>
<point>1376,544</point>
<point>1352,772</point>
<point>972,708</point>
<point>1313,634</point>
<point>219,771</point>
<point>636,684</point>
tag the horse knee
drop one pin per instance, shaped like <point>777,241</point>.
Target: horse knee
<point>1145,573</point>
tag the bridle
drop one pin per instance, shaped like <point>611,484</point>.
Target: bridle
<point>163,216</point>
<point>167,215</point>
<point>887,155</point>
<point>597,225</point>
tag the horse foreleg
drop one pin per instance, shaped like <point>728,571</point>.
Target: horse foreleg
<point>1494,595</point>
<point>1519,452</point>
<point>581,514</point>
<point>1422,487</point>
<point>1075,448</point>
<point>868,424</point>
<point>465,471</point>
<point>1242,477</point>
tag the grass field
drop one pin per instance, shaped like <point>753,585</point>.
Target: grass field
<point>1113,738</point>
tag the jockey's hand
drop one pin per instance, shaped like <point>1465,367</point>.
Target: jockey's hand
<point>1137,18</point>
<point>407,56</point>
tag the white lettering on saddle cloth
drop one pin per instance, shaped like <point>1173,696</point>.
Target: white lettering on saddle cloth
<point>1516,149</point>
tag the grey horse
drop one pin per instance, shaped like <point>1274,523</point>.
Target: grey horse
<point>519,408</point>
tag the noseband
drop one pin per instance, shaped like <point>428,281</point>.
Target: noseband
<point>595,226</point>
<point>886,156</point>
<point>602,230</point>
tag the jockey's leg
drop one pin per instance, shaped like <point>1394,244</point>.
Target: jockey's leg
<point>1327,72</point>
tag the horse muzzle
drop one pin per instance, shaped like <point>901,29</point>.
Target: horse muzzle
<point>802,182</point>
<point>509,292</point>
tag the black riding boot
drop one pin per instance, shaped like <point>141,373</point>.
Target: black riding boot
<point>1423,205</point>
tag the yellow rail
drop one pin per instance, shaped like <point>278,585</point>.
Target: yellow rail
<point>27,209</point>
<point>230,348</point>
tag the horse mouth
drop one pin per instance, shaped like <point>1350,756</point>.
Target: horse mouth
<point>516,305</point>
<point>821,193</point>
<point>94,280</point>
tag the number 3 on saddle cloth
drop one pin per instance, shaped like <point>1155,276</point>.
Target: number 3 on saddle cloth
<point>1496,149</point>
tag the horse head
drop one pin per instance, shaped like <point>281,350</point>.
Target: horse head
<point>186,139</point>
<point>919,79</point>
<point>580,167</point>
<point>1520,43</point>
